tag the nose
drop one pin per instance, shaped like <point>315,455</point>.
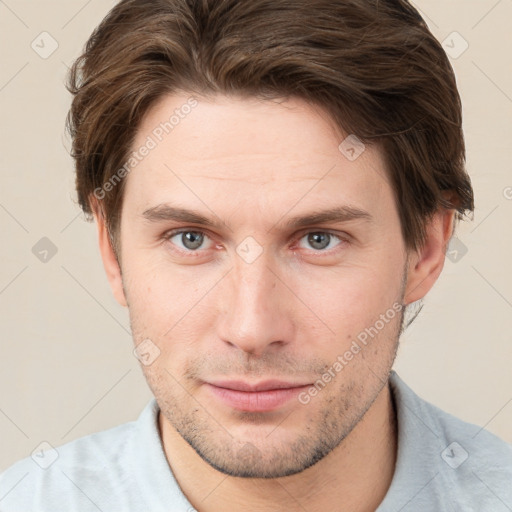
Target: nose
<point>255,308</point>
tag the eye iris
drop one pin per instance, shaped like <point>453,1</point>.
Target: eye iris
<point>319,240</point>
<point>192,239</point>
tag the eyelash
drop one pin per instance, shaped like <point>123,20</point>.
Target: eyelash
<point>170,234</point>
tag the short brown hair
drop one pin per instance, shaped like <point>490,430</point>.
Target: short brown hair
<point>372,64</point>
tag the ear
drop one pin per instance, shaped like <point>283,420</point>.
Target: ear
<point>108,255</point>
<point>426,263</point>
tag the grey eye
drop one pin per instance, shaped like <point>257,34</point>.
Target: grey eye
<point>320,240</point>
<point>192,240</point>
<point>189,240</point>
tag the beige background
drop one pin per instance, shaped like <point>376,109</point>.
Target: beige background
<point>66,365</point>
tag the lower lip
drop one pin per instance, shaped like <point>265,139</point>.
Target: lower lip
<point>255,401</point>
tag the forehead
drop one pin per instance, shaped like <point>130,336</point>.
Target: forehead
<point>264,151</point>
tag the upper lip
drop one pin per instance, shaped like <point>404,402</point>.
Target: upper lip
<point>240,385</point>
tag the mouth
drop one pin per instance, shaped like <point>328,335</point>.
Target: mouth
<point>255,397</point>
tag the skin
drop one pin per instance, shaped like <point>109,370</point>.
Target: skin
<point>251,165</point>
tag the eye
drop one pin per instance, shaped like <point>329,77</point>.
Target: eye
<point>320,240</point>
<point>188,240</point>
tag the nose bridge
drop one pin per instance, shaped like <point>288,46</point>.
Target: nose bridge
<point>254,312</point>
<point>254,282</point>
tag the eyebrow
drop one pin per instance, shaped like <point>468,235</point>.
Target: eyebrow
<point>336,214</point>
<point>166,212</point>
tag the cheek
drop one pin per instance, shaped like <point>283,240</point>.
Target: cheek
<point>168,306</point>
<point>177,307</point>
<point>158,290</point>
<point>350,299</point>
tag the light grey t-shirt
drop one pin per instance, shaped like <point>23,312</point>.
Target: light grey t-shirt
<point>443,464</point>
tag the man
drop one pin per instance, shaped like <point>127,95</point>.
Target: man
<point>273,182</point>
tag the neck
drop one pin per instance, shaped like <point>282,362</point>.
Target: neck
<point>354,477</point>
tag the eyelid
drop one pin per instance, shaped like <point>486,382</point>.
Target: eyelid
<point>342,237</point>
<point>166,237</point>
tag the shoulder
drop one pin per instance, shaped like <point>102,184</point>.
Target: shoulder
<point>445,426</point>
<point>447,460</point>
<point>74,476</point>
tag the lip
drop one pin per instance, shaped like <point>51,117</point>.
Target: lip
<point>255,397</point>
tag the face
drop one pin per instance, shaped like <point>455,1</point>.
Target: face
<point>256,258</point>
